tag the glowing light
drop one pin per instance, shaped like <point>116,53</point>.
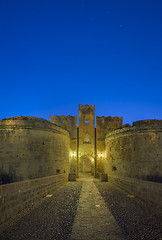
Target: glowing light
<point>101,154</point>
<point>73,154</point>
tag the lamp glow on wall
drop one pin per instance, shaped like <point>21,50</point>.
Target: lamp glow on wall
<point>101,155</point>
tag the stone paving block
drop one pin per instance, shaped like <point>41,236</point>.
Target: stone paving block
<point>93,219</point>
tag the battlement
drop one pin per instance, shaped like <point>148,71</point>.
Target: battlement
<point>104,125</point>
<point>84,147</point>
<point>87,109</point>
<point>109,121</point>
<point>68,123</point>
<point>35,148</point>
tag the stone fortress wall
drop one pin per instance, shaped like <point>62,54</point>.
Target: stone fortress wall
<point>32,148</point>
<point>133,160</point>
<point>136,151</point>
<point>104,125</point>
<point>69,123</point>
<point>34,161</point>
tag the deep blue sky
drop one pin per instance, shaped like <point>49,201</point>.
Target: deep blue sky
<point>57,54</point>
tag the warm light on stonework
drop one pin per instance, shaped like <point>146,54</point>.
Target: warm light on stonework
<point>101,155</point>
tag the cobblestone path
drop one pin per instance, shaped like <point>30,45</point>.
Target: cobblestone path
<point>89,210</point>
<point>93,219</point>
<point>137,219</point>
<point>51,220</point>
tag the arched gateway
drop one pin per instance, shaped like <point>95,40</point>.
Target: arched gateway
<point>86,164</point>
<point>87,143</point>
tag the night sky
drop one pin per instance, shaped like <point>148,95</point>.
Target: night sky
<point>57,54</point>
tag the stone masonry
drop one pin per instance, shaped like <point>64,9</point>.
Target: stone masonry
<point>34,147</point>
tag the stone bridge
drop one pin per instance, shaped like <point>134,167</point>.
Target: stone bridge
<point>37,158</point>
<point>83,209</point>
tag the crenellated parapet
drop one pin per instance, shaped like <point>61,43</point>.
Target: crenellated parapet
<point>33,147</point>
<point>87,109</point>
<point>104,125</point>
<point>68,123</point>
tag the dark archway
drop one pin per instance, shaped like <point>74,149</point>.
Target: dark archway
<point>86,164</point>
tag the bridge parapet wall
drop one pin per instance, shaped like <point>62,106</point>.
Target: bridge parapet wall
<point>146,190</point>
<point>16,197</point>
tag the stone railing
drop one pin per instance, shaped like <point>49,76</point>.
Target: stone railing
<point>15,197</point>
<point>146,190</point>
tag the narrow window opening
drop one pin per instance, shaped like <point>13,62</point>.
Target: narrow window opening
<point>86,121</point>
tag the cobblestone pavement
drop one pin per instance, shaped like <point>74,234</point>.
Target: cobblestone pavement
<point>93,219</point>
<point>79,211</point>
<point>51,220</point>
<point>137,219</point>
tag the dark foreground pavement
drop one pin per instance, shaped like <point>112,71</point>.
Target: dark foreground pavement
<point>50,220</point>
<point>137,219</point>
<point>79,209</point>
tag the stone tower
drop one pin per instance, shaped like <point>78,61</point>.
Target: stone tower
<point>86,138</point>
<point>69,123</point>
